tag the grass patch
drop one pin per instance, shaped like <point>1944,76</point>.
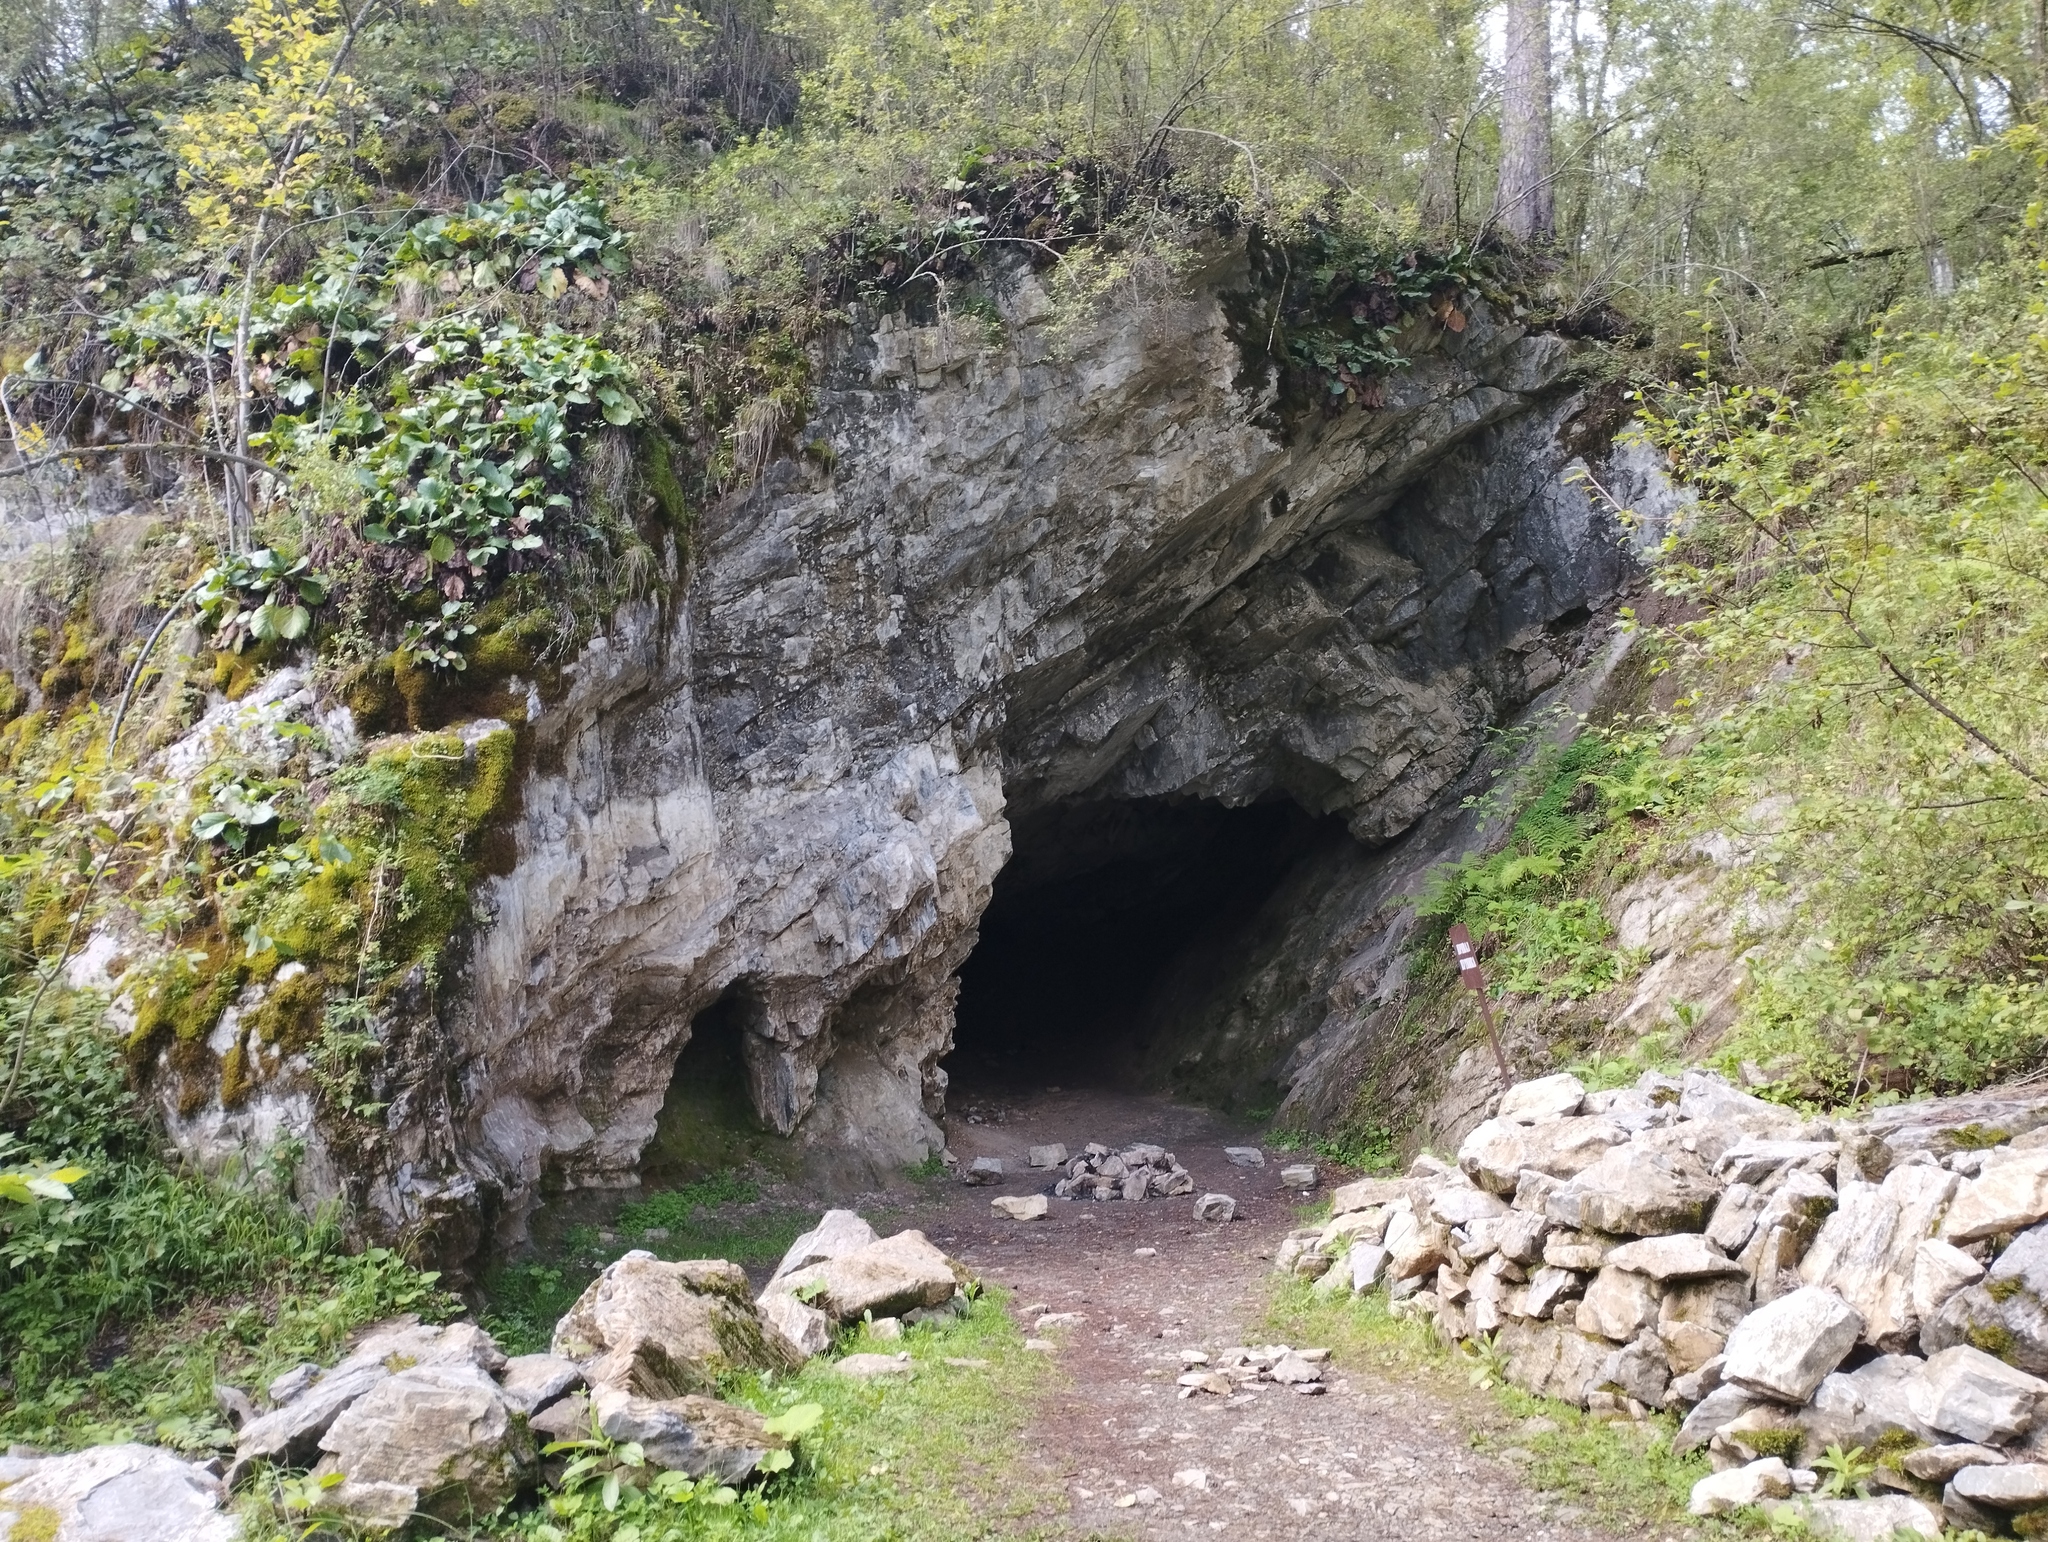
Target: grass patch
<point>158,1387</point>
<point>1622,1475</point>
<point>922,1459</point>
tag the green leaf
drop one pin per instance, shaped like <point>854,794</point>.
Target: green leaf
<point>793,1423</point>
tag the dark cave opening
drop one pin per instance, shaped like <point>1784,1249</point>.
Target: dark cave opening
<point>1105,916</point>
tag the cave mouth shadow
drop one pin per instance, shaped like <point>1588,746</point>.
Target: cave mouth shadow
<point>1105,916</point>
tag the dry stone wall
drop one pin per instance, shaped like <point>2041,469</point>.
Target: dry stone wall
<point>1787,1285</point>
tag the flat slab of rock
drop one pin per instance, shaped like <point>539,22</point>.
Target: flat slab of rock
<point>1965,1392</point>
<point>984,1170</point>
<point>1215,1207</point>
<point>700,1436</point>
<point>1054,1155</point>
<point>127,1493</point>
<point>662,1330</point>
<point>867,1367</point>
<point>886,1279</point>
<point>1870,1520</point>
<point>1679,1256</point>
<point>1019,1207</point>
<point>1245,1156</point>
<point>1498,1152</point>
<point>1298,1175</point>
<point>1367,1194</point>
<point>2012,1486</point>
<point>446,1432</point>
<point>1937,1464</point>
<point>310,1399</point>
<point>1785,1348</point>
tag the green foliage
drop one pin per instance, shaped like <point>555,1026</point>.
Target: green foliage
<point>467,467</point>
<point>1864,570</point>
<point>530,238</point>
<point>259,596</point>
<point>1846,1474</point>
<point>678,1207</point>
<point>1538,937</point>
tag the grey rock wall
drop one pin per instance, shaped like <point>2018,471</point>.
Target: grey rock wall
<point>1024,574</point>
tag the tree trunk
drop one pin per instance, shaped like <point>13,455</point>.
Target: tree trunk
<point>1523,204</point>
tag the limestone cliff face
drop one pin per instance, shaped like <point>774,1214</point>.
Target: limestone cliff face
<point>1007,575</point>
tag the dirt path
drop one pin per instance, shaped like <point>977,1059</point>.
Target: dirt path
<point>1372,1458</point>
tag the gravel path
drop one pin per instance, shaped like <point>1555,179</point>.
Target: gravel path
<point>1374,1457</point>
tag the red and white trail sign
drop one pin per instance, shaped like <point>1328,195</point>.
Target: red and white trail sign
<point>1467,957</point>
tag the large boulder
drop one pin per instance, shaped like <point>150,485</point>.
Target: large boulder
<point>2004,1199</point>
<point>1870,1407</point>
<point>1617,1305</point>
<point>310,1399</point>
<point>662,1330</point>
<point>1940,1269</point>
<point>699,1436</point>
<point>127,1493</point>
<point>1636,1192</point>
<point>1964,1392</point>
<point>2007,1314</point>
<point>1496,1154</point>
<point>887,1278</point>
<point>444,1433</point>
<point>1865,1250</point>
<point>1786,1347</point>
<point>1554,1360</point>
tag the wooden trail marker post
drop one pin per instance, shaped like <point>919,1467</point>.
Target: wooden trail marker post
<point>1469,971</point>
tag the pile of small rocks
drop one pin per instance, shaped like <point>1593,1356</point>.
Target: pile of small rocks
<point>1229,1371</point>
<point>1684,1245</point>
<point>1136,1172</point>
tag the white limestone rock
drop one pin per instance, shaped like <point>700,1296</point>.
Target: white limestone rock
<point>1720,1492</point>
<point>126,1493</point>
<point>1677,1256</point>
<point>1786,1347</point>
<point>1546,1098</point>
<point>2007,1198</point>
<point>1964,1392</point>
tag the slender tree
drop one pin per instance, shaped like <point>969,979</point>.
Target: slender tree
<point>1523,205</point>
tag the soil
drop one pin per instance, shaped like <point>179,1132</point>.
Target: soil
<point>1372,1457</point>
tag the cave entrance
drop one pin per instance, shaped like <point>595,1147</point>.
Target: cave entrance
<point>707,1122</point>
<point>1104,929</point>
